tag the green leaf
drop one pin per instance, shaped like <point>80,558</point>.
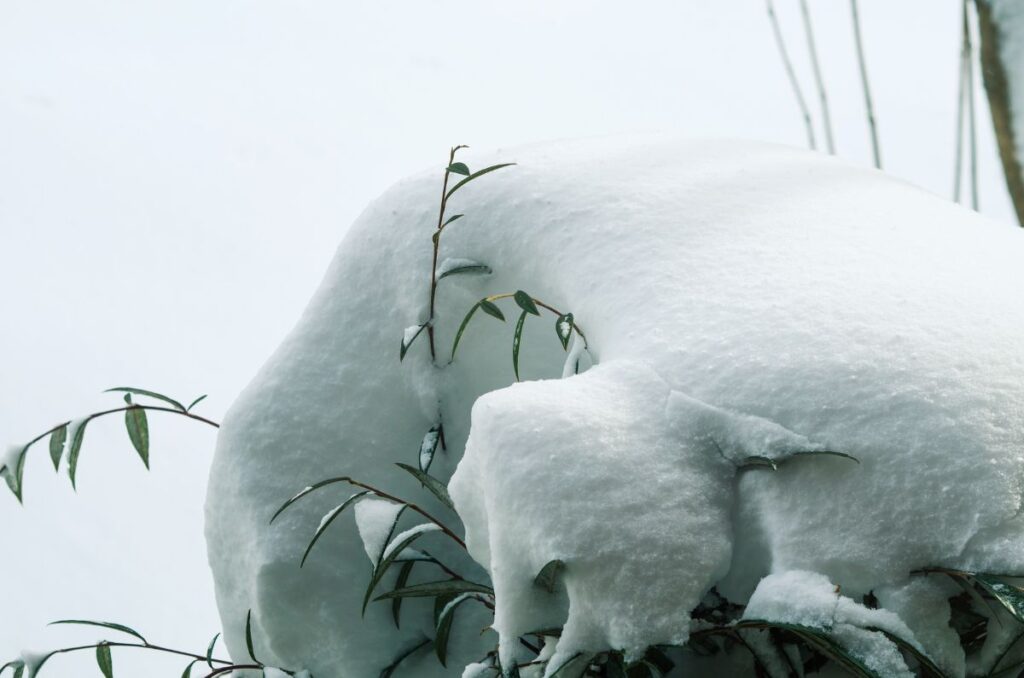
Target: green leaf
<point>773,464</point>
<point>468,268</point>
<point>151,394</point>
<point>563,328</point>
<point>408,339</point>
<point>525,302</point>
<point>187,673</point>
<point>209,649</point>
<point>15,476</point>
<point>75,448</point>
<point>57,439</point>
<point>248,637</point>
<point>462,328</point>
<point>138,430</point>
<point>444,624</point>
<point>475,175</point>
<point>818,640</point>
<point>459,168</point>
<point>454,217</point>
<point>548,575</point>
<point>328,519</point>
<point>307,490</point>
<point>195,402</point>
<point>103,624</point>
<point>517,340</point>
<point>392,550</point>
<point>403,578</point>
<point>436,487</point>
<point>390,669</point>
<point>759,462</point>
<point>1006,594</point>
<point>437,588</point>
<point>104,660</point>
<point>491,309</point>
<point>428,447</point>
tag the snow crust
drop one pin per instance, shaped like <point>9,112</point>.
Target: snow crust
<point>739,299</point>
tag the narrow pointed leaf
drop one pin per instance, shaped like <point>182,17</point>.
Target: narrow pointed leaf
<point>548,575</point>
<point>517,340</point>
<point>391,552</point>
<point>927,666</point>
<point>57,439</point>
<point>454,217</point>
<point>187,673</point>
<point>563,328</point>
<point>475,175</point>
<point>409,337</point>
<point>403,579</point>
<point>75,437</point>
<point>462,328</point>
<point>390,669</point>
<point>525,302</point>
<point>138,430</point>
<point>1007,595</point>
<point>307,490</point>
<point>104,660</point>
<point>436,487</point>
<point>15,476</point>
<point>196,402</point>
<point>248,637</point>
<point>759,462</point>
<point>151,394</point>
<point>437,588</point>
<point>326,521</point>
<point>459,168</point>
<point>462,267</point>
<point>209,649</point>
<point>428,447</point>
<point>444,624</point>
<point>103,624</point>
<point>491,309</point>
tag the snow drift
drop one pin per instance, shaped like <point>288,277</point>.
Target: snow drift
<point>741,301</point>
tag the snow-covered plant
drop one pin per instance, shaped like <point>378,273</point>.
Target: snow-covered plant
<point>66,438</point>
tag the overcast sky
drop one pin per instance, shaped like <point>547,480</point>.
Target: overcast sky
<point>175,176</point>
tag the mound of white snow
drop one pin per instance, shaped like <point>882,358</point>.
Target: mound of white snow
<point>744,304</point>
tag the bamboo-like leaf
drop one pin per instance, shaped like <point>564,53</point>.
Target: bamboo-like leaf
<point>248,637</point>
<point>428,447</point>
<point>454,217</point>
<point>548,575</point>
<point>517,340</point>
<point>76,434</point>
<point>409,337</point>
<point>151,394</point>
<point>391,552</point>
<point>209,649</point>
<point>444,625</point>
<point>462,328</point>
<point>187,673</point>
<point>563,328</point>
<point>459,168</point>
<point>138,431</point>
<point>390,669</point>
<point>328,518</point>
<point>774,463</point>
<point>759,462</point>
<point>103,624</point>
<point>436,487</point>
<point>400,582</point>
<point>927,666</point>
<point>1006,594</point>
<point>465,268</point>
<point>818,641</point>
<point>15,476</point>
<point>437,588</point>
<point>104,660</point>
<point>196,402</point>
<point>525,302</point>
<point>475,175</point>
<point>491,309</point>
<point>307,490</point>
<point>57,439</point>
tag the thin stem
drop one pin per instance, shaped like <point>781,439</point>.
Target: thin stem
<point>971,125</point>
<point>576,328</point>
<point>961,92</point>
<point>818,79</point>
<point>153,408</point>
<point>145,646</point>
<point>791,74</point>
<point>869,106</point>
<point>437,246</point>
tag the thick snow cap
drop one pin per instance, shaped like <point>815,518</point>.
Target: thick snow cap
<point>741,300</point>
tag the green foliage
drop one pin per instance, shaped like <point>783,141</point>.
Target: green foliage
<point>104,660</point>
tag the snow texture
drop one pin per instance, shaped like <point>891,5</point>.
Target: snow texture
<point>738,298</point>
<point>376,520</point>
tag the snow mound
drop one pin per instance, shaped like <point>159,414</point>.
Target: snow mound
<point>740,301</point>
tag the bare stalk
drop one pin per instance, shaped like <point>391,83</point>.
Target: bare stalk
<point>971,124</point>
<point>791,74</point>
<point>818,79</point>
<point>437,246</point>
<point>960,101</point>
<point>869,106</point>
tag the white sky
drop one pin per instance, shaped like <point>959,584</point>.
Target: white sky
<point>174,177</point>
